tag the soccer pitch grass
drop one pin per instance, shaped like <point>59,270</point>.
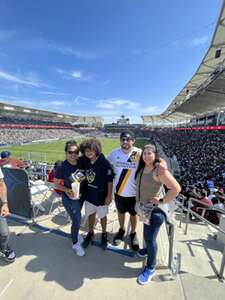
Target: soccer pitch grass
<point>52,151</point>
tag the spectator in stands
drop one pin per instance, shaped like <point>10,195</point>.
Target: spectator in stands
<point>219,203</point>
<point>98,191</point>
<point>151,205</point>
<point>71,203</point>
<point>199,203</point>
<point>52,173</point>
<point>5,252</point>
<point>7,161</point>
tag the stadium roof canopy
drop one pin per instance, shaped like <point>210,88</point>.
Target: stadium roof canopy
<point>9,110</point>
<point>205,92</point>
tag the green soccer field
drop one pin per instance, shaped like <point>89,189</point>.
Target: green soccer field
<point>52,151</point>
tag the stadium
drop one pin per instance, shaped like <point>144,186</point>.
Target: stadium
<point>190,137</point>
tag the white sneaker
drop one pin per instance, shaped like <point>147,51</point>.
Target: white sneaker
<point>80,239</point>
<point>78,249</point>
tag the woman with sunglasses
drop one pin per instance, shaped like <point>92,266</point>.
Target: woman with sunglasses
<point>71,203</point>
<point>151,206</point>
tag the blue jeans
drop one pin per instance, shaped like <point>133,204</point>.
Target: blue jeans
<point>4,233</point>
<point>73,208</point>
<point>150,234</point>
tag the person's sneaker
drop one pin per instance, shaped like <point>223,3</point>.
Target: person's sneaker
<point>8,255</point>
<point>80,239</point>
<point>87,239</point>
<point>104,240</point>
<point>134,241</point>
<point>78,249</point>
<point>142,252</point>
<point>119,237</point>
<point>146,276</point>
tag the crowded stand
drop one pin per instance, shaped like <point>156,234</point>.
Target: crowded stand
<point>20,136</point>
<point>23,121</point>
<point>201,158</point>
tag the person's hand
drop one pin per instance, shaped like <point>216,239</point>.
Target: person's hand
<point>4,210</point>
<point>161,167</point>
<point>155,200</point>
<point>70,194</point>
<point>108,200</point>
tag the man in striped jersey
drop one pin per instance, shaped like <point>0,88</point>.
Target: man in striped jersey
<point>125,161</point>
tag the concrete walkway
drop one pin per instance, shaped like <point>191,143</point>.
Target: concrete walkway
<point>47,268</point>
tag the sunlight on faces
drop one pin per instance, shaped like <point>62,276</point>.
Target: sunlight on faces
<point>90,154</point>
<point>126,143</point>
<point>72,153</point>
<point>148,155</point>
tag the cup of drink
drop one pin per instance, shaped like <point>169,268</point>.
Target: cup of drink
<point>76,190</point>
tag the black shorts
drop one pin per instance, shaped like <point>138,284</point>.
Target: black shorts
<point>125,204</point>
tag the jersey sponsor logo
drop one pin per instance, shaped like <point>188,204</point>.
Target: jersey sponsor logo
<point>90,175</point>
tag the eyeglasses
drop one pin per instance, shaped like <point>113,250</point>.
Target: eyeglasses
<point>73,152</point>
<point>126,139</point>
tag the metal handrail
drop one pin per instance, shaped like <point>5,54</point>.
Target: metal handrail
<point>181,205</point>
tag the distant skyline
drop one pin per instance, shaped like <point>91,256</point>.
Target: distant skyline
<point>106,57</point>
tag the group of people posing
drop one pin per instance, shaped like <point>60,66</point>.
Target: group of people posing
<point>135,178</point>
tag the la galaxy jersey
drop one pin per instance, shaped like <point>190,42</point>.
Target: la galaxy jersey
<point>124,167</point>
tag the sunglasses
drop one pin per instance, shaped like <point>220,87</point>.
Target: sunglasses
<point>73,152</point>
<point>126,139</point>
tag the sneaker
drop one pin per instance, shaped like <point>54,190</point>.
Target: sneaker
<point>78,249</point>
<point>146,275</point>
<point>87,239</point>
<point>80,239</point>
<point>104,240</point>
<point>134,241</point>
<point>8,255</point>
<point>142,252</point>
<point>118,237</point>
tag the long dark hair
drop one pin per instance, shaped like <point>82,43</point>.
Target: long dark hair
<point>141,164</point>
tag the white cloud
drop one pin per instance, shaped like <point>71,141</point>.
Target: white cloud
<point>71,51</point>
<point>77,74</point>
<point>112,109</point>
<point>6,34</point>
<point>52,104</point>
<point>29,82</point>
<point>194,42</point>
<point>30,79</point>
<point>197,41</point>
<point>116,103</point>
<point>53,93</point>
<point>74,75</point>
<point>29,41</point>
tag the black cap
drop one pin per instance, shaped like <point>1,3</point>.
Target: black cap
<point>127,134</point>
<point>5,154</point>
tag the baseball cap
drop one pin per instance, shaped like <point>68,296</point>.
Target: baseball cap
<point>127,134</point>
<point>5,154</point>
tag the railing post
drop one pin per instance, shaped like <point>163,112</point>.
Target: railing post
<point>171,240</point>
<point>187,217</point>
<point>182,212</point>
<point>222,266</point>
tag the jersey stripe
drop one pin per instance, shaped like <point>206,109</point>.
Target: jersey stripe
<point>123,183</point>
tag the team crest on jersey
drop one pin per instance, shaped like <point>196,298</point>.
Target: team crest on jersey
<point>78,175</point>
<point>134,157</point>
<point>90,175</point>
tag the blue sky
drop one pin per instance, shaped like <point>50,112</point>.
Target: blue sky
<point>101,57</point>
